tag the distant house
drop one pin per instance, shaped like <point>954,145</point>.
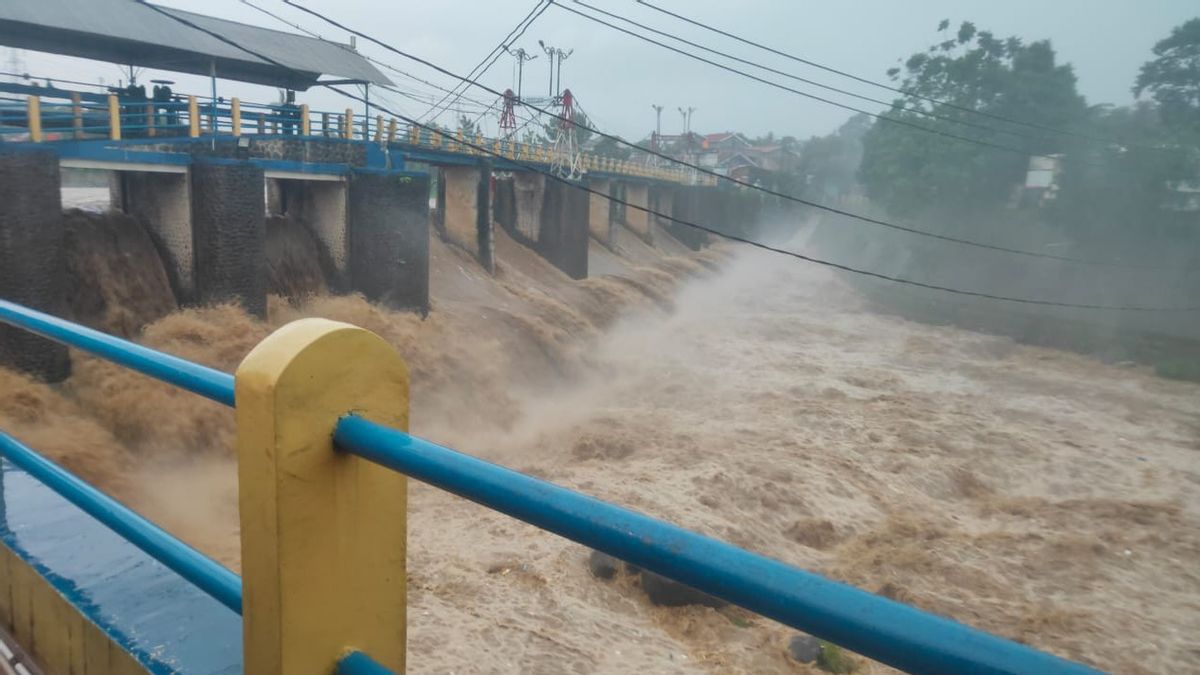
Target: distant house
<point>775,157</point>
<point>726,144</point>
<point>741,166</point>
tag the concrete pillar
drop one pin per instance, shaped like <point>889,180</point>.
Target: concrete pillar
<point>662,200</point>
<point>563,235</point>
<point>530,196</point>
<point>229,234</point>
<point>638,194</point>
<point>467,217</point>
<point>162,201</point>
<point>692,203</point>
<point>600,212</point>
<point>389,238</point>
<point>32,260</point>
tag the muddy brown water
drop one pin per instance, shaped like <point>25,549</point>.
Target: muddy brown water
<point>1031,492</point>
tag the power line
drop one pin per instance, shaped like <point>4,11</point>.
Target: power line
<point>882,117</point>
<point>532,16</point>
<point>757,244</point>
<point>686,223</point>
<point>906,92</point>
<point>845,92</point>
<point>313,34</point>
<point>730,179</point>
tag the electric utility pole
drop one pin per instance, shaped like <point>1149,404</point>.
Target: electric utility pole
<point>521,56</point>
<point>555,56</point>
<point>687,119</point>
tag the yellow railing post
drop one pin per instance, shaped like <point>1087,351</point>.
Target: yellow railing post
<point>391,134</point>
<point>114,118</point>
<point>348,126</point>
<point>77,114</point>
<point>305,122</point>
<point>379,128</point>
<point>193,117</point>
<point>322,532</point>
<point>414,135</point>
<point>33,110</point>
<point>235,116</point>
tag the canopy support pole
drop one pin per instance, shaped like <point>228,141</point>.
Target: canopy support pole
<point>212,71</point>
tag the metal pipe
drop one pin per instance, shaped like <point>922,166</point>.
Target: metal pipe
<point>876,627</point>
<point>198,379</point>
<point>358,663</point>
<point>207,574</point>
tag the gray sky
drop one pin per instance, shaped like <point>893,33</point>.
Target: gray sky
<point>616,77</point>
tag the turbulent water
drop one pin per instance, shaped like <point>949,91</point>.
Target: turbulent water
<point>1035,493</point>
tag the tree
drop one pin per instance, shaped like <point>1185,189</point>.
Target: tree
<point>608,147</point>
<point>467,125</point>
<point>908,170</point>
<point>550,128</point>
<point>1173,78</point>
<point>829,164</point>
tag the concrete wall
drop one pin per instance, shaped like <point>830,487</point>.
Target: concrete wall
<point>229,234</point>
<point>638,194</point>
<point>600,223</point>
<point>320,150</point>
<point>466,211</point>
<point>32,260</point>
<point>162,201</point>
<point>321,206</point>
<point>389,239</point>
<point>662,200</point>
<point>53,630</point>
<point>563,235</point>
<point>695,204</point>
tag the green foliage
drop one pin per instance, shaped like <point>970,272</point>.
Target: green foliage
<point>828,164</point>
<point>607,147</point>
<point>549,130</point>
<point>467,125</point>
<point>1173,78</point>
<point>908,170</point>
<point>833,660</point>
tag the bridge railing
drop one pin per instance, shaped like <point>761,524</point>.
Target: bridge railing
<point>322,412</point>
<point>55,115</point>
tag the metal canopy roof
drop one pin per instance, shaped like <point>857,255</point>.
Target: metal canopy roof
<point>127,32</point>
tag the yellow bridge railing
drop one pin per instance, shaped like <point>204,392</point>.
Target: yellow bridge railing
<point>41,119</point>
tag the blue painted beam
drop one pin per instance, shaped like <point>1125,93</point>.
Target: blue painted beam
<point>207,574</point>
<point>193,377</point>
<point>882,629</point>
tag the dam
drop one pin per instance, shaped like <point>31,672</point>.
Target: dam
<point>297,390</point>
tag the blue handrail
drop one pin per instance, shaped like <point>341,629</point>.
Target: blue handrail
<point>207,574</point>
<point>358,663</point>
<point>874,626</point>
<point>198,379</point>
<point>879,628</point>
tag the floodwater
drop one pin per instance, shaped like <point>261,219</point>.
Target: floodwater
<point>1036,493</point>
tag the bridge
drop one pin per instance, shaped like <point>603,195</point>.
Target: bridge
<point>195,173</point>
<point>89,586</point>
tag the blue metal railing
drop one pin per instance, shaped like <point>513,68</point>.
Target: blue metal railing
<point>876,627</point>
<point>207,574</point>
